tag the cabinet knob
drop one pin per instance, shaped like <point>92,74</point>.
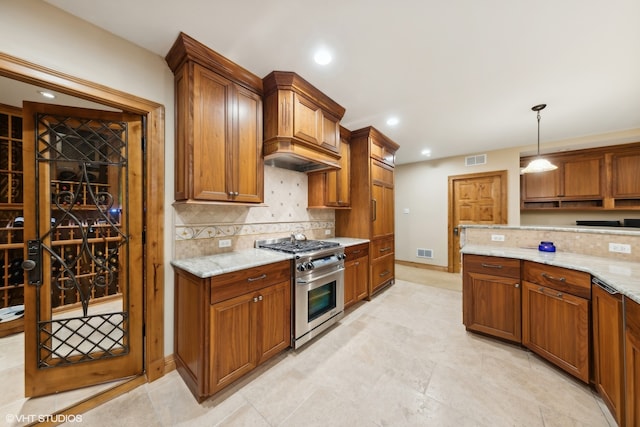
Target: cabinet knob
<point>260,298</point>
<point>517,285</point>
<point>255,299</point>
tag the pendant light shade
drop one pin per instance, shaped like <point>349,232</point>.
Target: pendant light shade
<point>539,164</point>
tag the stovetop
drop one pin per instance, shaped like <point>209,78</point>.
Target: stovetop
<point>296,246</point>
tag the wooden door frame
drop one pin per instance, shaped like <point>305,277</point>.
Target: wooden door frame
<point>153,282</point>
<point>503,202</point>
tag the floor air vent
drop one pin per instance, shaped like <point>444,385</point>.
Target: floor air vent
<point>479,159</point>
<point>425,253</point>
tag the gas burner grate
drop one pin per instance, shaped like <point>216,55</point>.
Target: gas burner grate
<point>299,246</point>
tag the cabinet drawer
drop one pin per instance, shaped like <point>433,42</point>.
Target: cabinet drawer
<point>382,247</point>
<point>496,266</point>
<point>562,279</point>
<point>356,251</point>
<point>381,271</point>
<point>240,282</point>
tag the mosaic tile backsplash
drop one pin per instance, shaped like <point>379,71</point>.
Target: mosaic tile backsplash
<point>200,227</point>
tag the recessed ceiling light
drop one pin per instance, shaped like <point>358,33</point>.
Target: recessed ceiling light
<point>392,121</point>
<point>426,153</point>
<point>46,94</point>
<point>322,57</point>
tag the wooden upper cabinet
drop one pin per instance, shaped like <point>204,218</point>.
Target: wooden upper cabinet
<point>300,121</point>
<point>332,188</point>
<point>219,126</point>
<point>599,178</point>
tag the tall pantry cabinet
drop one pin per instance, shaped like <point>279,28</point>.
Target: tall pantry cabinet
<point>372,202</point>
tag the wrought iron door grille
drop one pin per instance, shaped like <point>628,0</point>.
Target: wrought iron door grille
<point>82,339</point>
<point>84,247</point>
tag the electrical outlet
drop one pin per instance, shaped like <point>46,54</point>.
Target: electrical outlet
<point>497,237</point>
<point>327,232</point>
<point>620,248</point>
<point>224,243</point>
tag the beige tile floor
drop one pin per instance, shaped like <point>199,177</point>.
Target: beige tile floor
<point>402,359</point>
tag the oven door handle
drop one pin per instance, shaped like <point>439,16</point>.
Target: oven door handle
<point>304,282</point>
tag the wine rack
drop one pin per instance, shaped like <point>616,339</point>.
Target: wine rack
<point>84,246</point>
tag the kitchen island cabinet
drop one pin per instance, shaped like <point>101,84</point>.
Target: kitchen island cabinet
<point>227,325</point>
<point>555,316</point>
<point>218,156</point>
<point>632,361</point>
<point>608,348</point>
<point>491,301</point>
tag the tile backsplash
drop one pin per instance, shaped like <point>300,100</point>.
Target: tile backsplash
<point>199,228</point>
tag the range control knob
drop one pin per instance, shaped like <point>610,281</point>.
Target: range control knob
<point>301,267</point>
<point>341,256</point>
<point>309,265</point>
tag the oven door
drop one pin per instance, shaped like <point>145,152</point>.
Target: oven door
<point>319,297</point>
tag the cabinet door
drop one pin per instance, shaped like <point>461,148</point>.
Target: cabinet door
<point>582,178</point>
<point>608,349</point>
<point>233,350</point>
<point>350,281</point>
<point>543,185</point>
<point>625,173</point>
<point>307,119</point>
<point>491,305</point>
<point>274,327</point>
<point>330,133</point>
<point>247,166</point>
<point>212,130</point>
<point>555,325</point>
<point>362,278</point>
<point>632,362</point>
<point>337,191</point>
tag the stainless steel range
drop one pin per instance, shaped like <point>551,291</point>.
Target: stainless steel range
<point>318,295</point>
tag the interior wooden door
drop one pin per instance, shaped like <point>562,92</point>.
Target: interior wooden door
<point>83,256</point>
<point>474,199</point>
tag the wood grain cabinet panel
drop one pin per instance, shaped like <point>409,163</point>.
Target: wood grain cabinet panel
<point>555,323</point>
<point>331,188</point>
<point>491,296</point>
<point>218,155</point>
<point>608,349</point>
<point>227,325</point>
<point>632,362</point>
<point>356,274</point>
<point>597,178</point>
<point>372,202</point>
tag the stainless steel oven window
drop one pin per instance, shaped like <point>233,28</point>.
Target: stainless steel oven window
<point>321,300</point>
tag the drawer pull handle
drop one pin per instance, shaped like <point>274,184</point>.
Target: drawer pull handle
<point>550,277</point>
<point>384,273</point>
<point>253,279</point>
<point>385,249</point>
<point>491,265</point>
<point>557,295</point>
<point>357,252</point>
<point>357,263</point>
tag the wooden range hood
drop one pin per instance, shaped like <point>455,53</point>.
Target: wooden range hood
<point>301,124</point>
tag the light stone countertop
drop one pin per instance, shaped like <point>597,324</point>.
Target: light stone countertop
<point>620,275</point>
<point>347,241</point>
<point>625,231</point>
<point>214,265</point>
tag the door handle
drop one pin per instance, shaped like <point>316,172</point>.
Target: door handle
<point>374,207</point>
<point>455,231</point>
<point>32,263</point>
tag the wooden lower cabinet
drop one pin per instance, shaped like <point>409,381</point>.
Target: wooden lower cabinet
<point>246,331</point>
<point>356,274</point>
<point>632,362</point>
<point>227,325</point>
<point>608,350</point>
<point>555,325</point>
<point>491,296</point>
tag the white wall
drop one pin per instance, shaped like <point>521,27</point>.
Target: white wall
<point>423,189</point>
<point>37,32</point>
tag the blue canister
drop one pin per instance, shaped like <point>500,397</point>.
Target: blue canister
<point>546,247</point>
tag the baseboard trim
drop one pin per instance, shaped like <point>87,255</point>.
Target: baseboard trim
<point>424,266</point>
<point>169,364</point>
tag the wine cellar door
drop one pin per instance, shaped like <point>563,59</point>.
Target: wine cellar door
<point>83,228</point>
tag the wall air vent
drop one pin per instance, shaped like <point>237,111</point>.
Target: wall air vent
<point>424,253</point>
<point>479,159</point>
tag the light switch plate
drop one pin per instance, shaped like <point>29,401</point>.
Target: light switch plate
<point>497,237</point>
<point>224,243</point>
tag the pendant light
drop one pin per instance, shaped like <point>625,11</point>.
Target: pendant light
<point>539,164</point>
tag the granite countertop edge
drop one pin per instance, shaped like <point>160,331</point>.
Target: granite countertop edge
<point>347,241</point>
<point>215,265</point>
<point>623,276</point>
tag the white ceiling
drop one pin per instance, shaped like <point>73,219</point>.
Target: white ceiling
<point>461,75</point>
